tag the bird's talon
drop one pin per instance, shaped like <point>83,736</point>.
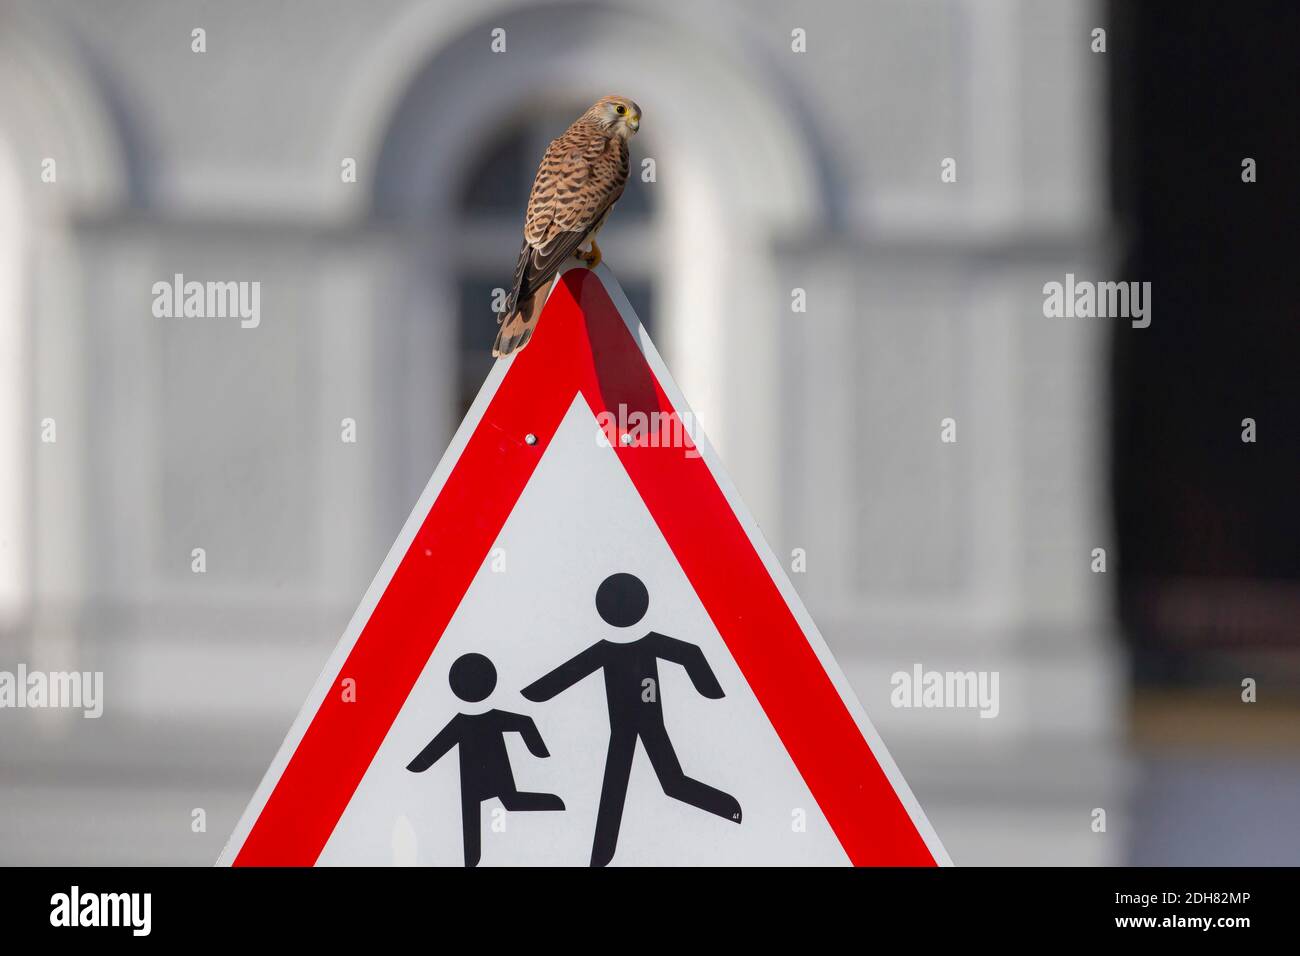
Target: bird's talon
<point>592,258</point>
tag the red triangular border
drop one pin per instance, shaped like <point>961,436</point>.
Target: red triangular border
<point>584,345</point>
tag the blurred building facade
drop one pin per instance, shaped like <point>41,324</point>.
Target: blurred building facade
<point>774,170</point>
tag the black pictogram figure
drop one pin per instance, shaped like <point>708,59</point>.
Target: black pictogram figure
<point>635,711</point>
<point>484,763</point>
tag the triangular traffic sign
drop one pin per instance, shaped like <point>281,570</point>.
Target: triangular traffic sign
<point>581,650</point>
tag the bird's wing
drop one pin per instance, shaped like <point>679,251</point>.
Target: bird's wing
<point>581,176</point>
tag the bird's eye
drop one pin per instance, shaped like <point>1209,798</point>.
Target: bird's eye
<point>620,110</point>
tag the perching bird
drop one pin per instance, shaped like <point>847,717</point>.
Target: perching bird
<point>579,180</point>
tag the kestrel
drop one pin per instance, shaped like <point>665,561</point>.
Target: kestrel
<point>579,180</point>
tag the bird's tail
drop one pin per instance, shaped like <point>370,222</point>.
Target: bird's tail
<point>518,327</point>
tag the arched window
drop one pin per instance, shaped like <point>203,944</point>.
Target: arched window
<point>490,210</point>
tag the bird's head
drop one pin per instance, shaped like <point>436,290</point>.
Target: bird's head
<point>617,115</point>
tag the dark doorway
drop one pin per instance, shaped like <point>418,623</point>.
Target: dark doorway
<point>1208,524</point>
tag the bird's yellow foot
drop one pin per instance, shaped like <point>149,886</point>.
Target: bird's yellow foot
<point>592,258</point>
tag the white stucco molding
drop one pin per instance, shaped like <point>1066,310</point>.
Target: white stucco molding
<point>50,106</point>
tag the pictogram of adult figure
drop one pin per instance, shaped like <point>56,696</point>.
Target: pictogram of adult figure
<point>632,687</point>
<point>484,764</point>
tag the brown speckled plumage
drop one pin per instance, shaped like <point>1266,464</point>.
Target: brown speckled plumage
<point>580,178</point>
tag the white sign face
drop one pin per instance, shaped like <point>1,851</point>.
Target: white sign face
<point>581,652</point>
<point>580,520</point>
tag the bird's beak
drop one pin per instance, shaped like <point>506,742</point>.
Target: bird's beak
<point>634,123</point>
